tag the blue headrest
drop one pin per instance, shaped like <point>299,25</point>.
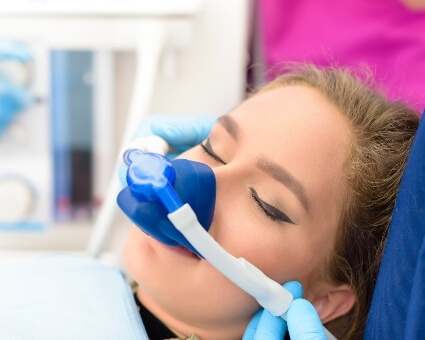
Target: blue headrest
<point>398,303</point>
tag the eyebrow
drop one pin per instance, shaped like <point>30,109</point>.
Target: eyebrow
<point>266,165</point>
<point>283,176</point>
<point>230,125</point>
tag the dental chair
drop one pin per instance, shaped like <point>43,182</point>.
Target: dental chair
<point>398,304</point>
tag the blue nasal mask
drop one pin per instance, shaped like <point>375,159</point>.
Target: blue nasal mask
<point>174,201</point>
<point>158,186</point>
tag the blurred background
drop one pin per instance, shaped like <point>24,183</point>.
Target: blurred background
<point>86,67</point>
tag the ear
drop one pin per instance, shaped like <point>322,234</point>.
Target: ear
<point>332,302</point>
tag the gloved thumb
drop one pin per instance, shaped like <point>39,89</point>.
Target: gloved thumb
<point>304,322</point>
<point>265,325</point>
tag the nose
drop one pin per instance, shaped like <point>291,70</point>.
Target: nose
<point>228,194</point>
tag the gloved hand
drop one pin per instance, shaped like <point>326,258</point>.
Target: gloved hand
<point>303,321</point>
<point>180,132</point>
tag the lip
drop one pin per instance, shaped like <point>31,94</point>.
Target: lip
<point>182,251</point>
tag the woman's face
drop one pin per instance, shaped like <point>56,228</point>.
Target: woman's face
<point>278,160</point>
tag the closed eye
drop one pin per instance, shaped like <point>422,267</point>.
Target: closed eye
<point>270,211</point>
<point>208,150</point>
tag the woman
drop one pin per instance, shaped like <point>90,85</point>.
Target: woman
<point>307,171</point>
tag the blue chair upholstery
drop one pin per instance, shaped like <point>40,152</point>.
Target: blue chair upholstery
<point>398,304</point>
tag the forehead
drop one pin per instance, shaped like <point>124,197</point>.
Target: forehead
<point>301,130</point>
<point>298,105</point>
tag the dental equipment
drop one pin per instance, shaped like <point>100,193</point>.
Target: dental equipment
<point>186,191</point>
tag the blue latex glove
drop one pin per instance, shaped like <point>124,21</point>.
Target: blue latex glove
<point>180,132</point>
<point>303,321</point>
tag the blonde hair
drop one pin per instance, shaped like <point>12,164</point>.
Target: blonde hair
<point>382,134</point>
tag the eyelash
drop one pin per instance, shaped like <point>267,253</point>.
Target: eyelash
<point>207,149</point>
<point>276,216</point>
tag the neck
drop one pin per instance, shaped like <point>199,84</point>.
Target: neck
<point>183,328</point>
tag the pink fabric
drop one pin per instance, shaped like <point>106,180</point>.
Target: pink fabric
<point>383,34</point>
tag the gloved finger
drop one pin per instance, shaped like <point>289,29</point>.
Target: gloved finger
<point>183,131</point>
<point>295,288</point>
<point>252,326</point>
<point>304,322</point>
<point>272,327</point>
<point>265,325</point>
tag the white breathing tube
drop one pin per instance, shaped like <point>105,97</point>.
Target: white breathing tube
<point>269,294</point>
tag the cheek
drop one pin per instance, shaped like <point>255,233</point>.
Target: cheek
<point>138,254</point>
<point>130,255</point>
<point>282,252</point>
